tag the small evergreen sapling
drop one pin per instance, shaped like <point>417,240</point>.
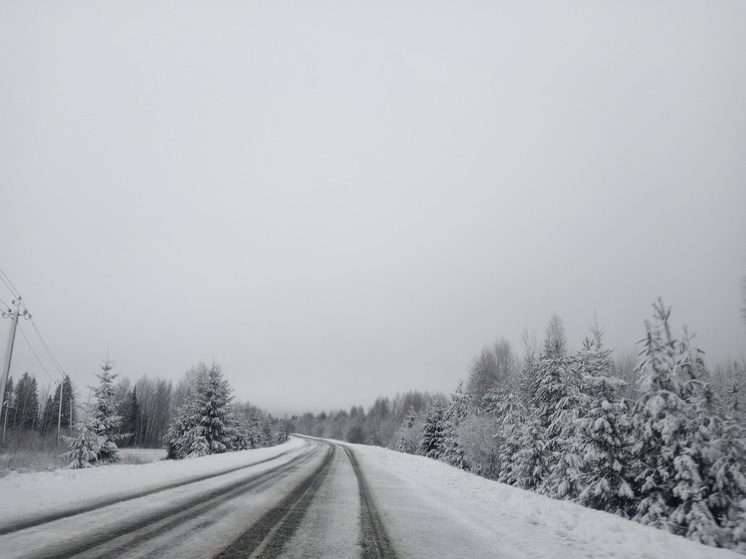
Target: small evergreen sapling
<point>85,448</point>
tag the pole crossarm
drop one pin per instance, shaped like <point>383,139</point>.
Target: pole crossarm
<point>14,315</point>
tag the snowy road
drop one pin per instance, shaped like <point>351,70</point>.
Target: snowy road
<point>307,499</point>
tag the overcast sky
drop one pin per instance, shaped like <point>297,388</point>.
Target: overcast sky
<point>336,200</point>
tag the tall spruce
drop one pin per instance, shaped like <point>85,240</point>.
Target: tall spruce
<point>205,424</point>
<point>26,402</point>
<point>604,433</point>
<point>432,441</point>
<point>104,419</point>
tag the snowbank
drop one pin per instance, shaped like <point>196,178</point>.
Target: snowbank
<point>444,511</point>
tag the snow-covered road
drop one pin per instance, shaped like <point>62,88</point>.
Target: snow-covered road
<point>307,499</point>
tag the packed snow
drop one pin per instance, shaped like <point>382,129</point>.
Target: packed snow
<point>430,509</point>
<point>46,492</point>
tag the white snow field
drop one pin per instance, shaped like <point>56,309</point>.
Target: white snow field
<point>429,510</point>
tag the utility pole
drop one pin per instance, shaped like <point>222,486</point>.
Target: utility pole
<point>9,348</point>
<point>59,415</point>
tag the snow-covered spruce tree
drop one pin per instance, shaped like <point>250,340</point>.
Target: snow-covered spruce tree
<point>432,439</point>
<point>409,432</point>
<point>205,424</point>
<point>524,450</point>
<point>672,434</point>
<point>692,516</point>
<point>103,418</point>
<point>529,465</point>
<point>458,409</point>
<point>255,431</point>
<point>267,431</point>
<point>727,480</point>
<point>557,405</point>
<point>604,433</point>
<point>85,448</point>
<point>510,413</point>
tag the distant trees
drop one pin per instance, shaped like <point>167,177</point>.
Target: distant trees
<point>26,402</point>
<point>381,425</point>
<point>492,368</point>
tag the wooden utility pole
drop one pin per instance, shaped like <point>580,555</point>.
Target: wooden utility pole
<point>59,415</point>
<point>9,348</point>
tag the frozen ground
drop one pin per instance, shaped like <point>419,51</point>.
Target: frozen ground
<point>428,509</point>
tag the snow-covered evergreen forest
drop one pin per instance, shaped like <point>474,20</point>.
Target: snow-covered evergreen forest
<point>197,416</point>
<point>657,438</point>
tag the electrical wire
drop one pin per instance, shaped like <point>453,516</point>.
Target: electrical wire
<point>8,286</point>
<point>46,348</point>
<point>5,304</point>
<point>11,287</point>
<point>32,351</point>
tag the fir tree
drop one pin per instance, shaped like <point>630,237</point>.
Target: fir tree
<point>86,447</point>
<point>673,435</point>
<point>605,433</point>
<point>457,411</point>
<point>530,463</point>
<point>129,410</point>
<point>27,402</point>
<point>205,424</point>
<point>557,405</point>
<point>432,439</point>
<point>511,414</point>
<point>727,479</point>
<point>409,432</point>
<point>104,420</point>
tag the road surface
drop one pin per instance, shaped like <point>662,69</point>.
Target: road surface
<point>311,499</point>
<point>308,502</point>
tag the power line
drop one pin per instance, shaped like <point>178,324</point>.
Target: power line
<point>11,287</point>
<point>46,348</point>
<point>32,351</point>
<point>8,286</point>
<point>5,304</point>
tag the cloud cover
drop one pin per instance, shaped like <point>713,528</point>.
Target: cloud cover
<point>339,200</point>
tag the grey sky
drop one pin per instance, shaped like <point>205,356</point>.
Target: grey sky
<point>337,200</point>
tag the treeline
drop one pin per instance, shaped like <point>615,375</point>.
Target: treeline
<point>378,426</point>
<point>144,410</point>
<point>659,438</point>
<point>26,409</point>
<point>207,420</point>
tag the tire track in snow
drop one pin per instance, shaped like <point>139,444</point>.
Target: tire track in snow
<point>22,523</point>
<point>267,536</point>
<point>374,540</point>
<point>125,534</point>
